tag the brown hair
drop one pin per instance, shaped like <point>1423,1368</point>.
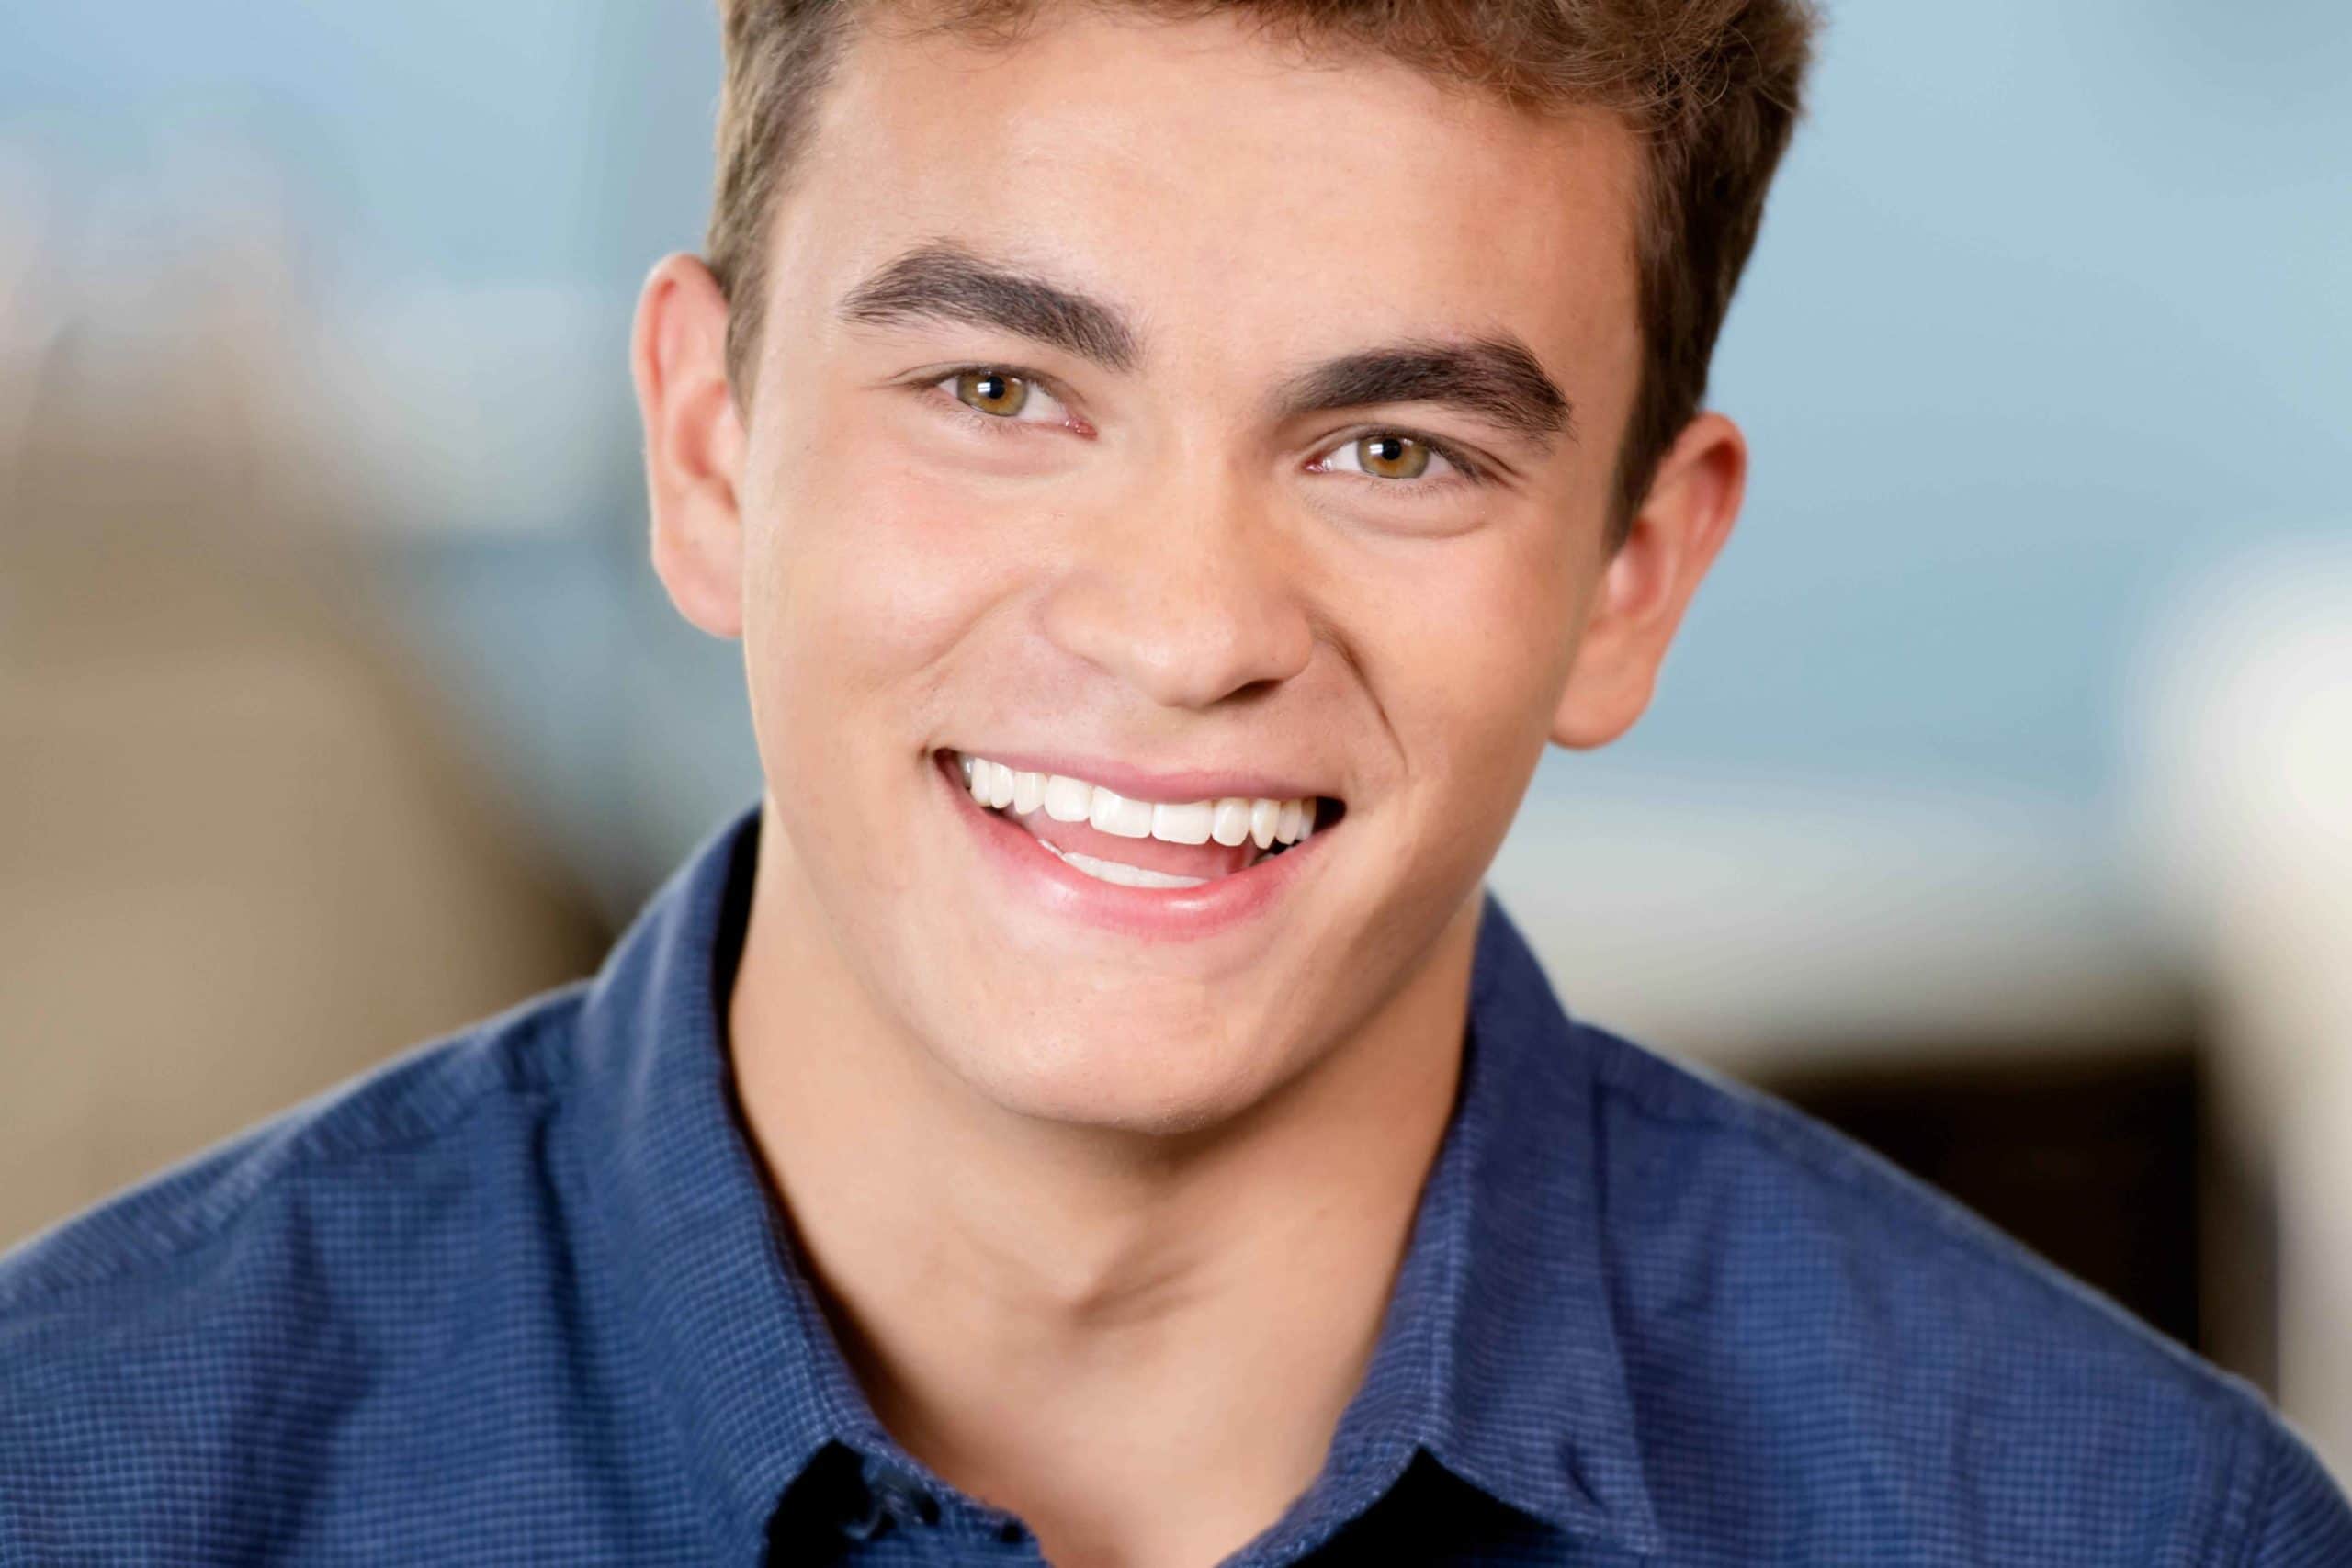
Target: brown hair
<point>1712,86</point>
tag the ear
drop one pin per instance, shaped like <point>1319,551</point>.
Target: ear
<point>694,443</point>
<point>1676,532</point>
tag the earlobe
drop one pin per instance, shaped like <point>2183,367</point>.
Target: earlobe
<point>694,443</point>
<point>1674,537</point>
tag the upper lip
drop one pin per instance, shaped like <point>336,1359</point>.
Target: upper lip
<point>1174,787</point>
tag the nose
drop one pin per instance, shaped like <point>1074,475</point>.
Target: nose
<point>1187,594</point>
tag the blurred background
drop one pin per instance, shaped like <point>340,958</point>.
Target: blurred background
<point>1996,802</point>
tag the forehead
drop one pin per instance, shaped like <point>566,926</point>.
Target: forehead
<point>1205,177</point>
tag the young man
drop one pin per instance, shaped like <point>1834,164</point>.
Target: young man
<point>1172,469</point>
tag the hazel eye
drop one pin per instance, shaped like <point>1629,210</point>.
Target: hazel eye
<point>1392,457</point>
<point>992,393</point>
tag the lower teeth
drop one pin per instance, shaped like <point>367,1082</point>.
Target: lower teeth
<point>1125,875</point>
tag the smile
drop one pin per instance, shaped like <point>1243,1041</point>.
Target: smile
<point>1189,852</point>
<point>1270,825</point>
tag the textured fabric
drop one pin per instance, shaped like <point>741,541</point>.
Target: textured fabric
<point>521,1296</point>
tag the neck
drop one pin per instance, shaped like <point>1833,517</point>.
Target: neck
<point>1141,1343</point>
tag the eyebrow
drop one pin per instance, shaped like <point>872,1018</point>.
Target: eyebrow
<point>1494,378</point>
<point>945,282</point>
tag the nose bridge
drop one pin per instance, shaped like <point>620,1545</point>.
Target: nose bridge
<point>1184,590</point>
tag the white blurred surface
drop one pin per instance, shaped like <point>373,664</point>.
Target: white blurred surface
<point>1763,925</point>
<point>2244,720</point>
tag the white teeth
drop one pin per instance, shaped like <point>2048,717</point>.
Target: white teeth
<point>1183,824</point>
<point>1231,821</point>
<point>1067,799</point>
<point>1119,872</point>
<point>1117,815</point>
<point>1125,875</point>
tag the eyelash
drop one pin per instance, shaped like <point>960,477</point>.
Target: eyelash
<point>1467,470</point>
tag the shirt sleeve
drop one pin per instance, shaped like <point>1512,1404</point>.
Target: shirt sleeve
<point>2304,1521</point>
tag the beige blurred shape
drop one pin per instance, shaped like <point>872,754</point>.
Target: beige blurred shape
<point>240,857</point>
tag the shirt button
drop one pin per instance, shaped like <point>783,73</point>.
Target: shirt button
<point>902,1496</point>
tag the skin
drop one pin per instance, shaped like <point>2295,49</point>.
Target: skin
<point>1106,1221</point>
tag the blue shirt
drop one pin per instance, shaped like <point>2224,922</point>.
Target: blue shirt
<point>521,1296</point>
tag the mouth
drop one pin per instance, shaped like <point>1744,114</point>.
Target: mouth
<point>1172,847</point>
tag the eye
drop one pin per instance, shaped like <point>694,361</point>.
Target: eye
<point>998,393</point>
<point>1392,455</point>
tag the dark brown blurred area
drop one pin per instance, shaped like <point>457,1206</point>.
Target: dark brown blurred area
<point>2106,1162</point>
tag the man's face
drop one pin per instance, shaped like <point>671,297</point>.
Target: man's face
<point>1296,489</point>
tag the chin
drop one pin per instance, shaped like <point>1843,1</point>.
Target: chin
<point>1128,1074</point>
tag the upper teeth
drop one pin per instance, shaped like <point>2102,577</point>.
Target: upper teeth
<point>1066,799</point>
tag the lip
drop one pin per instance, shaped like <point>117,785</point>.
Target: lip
<point>1174,787</point>
<point>1163,914</point>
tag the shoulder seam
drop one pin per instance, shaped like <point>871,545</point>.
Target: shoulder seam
<point>2266,1480</point>
<point>1780,1129</point>
<point>177,1230</point>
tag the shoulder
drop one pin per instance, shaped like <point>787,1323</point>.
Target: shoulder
<point>370,1129</point>
<point>186,1325</point>
<point>1795,1307</point>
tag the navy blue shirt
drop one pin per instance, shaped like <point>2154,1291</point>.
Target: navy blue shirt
<point>522,1296</point>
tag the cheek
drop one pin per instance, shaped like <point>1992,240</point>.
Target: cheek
<point>1473,648</point>
<point>863,579</point>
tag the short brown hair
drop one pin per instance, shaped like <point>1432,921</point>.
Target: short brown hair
<point>1712,87</point>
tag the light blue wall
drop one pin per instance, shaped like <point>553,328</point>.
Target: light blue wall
<point>449,139</point>
<point>2053,305</point>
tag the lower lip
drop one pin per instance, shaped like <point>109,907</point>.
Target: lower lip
<point>1170,914</point>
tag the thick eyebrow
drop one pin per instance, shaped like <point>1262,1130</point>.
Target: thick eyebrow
<point>1494,378</point>
<point>945,282</point>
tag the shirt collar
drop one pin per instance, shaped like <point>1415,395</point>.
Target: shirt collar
<point>1517,1337</point>
<point>1497,1356</point>
<point>739,1351</point>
